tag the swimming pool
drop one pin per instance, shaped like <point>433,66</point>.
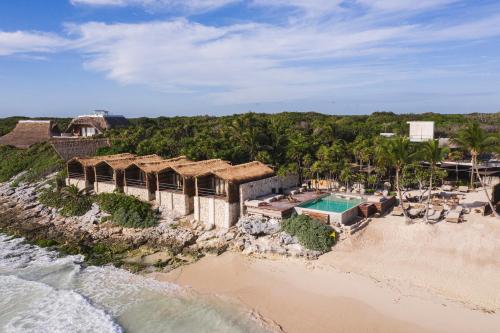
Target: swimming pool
<point>333,203</point>
<point>333,209</point>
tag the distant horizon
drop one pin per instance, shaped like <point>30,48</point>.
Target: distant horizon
<point>172,58</point>
<point>241,113</point>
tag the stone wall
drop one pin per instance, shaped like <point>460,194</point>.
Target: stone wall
<point>68,148</point>
<point>141,193</point>
<point>81,184</point>
<point>216,212</point>
<point>258,188</point>
<point>177,202</point>
<point>100,187</point>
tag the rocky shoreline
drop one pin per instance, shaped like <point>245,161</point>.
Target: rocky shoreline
<point>173,242</point>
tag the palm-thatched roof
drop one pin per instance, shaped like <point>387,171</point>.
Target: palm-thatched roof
<point>242,173</point>
<point>99,122</point>
<point>29,132</point>
<point>123,163</point>
<point>93,161</point>
<point>196,168</point>
<point>158,166</point>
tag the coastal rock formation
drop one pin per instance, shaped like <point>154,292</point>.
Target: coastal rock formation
<point>175,241</point>
<point>257,226</point>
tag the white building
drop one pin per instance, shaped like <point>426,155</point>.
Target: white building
<point>421,130</point>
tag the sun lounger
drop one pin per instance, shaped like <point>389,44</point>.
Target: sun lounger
<point>447,188</point>
<point>463,189</point>
<point>397,211</point>
<point>454,216</point>
<point>435,215</point>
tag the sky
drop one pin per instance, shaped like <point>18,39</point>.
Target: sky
<point>216,57</point>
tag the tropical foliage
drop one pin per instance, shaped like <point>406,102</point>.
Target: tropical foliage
<point>69,200</point>
<point>126,210</point>
<point>311,233</point>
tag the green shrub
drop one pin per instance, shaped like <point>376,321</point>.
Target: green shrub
<point>38,161</point>
<point>70,200</point>
<point>312,234</point>
<point>127,211</point>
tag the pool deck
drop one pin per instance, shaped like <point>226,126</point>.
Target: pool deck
<point>284,208</point>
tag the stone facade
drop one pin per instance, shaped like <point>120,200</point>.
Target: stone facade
<point>81,184</point>
<point>258,188</point>
<point>141,193</point>
<point>216,212</point>
<point>101,187</point>
<point>177,202</point>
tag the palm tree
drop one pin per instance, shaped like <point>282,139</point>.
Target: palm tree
<point>397,152</point>
<point>433,154</point>
<point>476,141</point>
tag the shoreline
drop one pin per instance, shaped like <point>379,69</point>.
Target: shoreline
<point>389,277</point>
<point>309,296</point>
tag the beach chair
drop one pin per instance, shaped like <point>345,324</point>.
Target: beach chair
<point>397,211</point>
<point>436,214</point>
<point>454,216</point>
<point>463,189</point>
<point>447,188</point>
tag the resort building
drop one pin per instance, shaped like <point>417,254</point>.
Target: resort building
<point>421,131</point>
<point>94,172</point>
<point>30,132</point>
<point>149,180</point>
<point>176,183</point>
<point>97,123</point>
<point>213,189</point>
<point>217,201</point>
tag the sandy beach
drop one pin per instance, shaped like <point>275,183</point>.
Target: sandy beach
<point>390,277</point>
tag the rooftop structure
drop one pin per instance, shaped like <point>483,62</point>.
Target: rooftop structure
<point>29,132</point>
<point>97,123</point>
<point>421,131</point>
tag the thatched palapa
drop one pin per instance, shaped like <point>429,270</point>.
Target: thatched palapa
<point>242,173</point>
<point>196,168</point>
<point>29,132</point>
<point>158,166</point>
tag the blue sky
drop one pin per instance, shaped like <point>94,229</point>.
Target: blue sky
<point>188,57</point>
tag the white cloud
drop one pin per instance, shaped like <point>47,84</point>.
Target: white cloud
<point>182,5</point>
<point>258,62</point>
<point>29,42</point>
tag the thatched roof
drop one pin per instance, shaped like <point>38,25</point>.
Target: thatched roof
<point>123,163</point>
<point>93,161</point>
<point>243,173</point>
<point>158,166</point>
<point>196,168</point>
<point>99,122</point>
<point>29,132</point>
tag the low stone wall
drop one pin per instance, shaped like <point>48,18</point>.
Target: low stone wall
<point>141,193</point>
<point>81,184</point>
<point>100,187</point>
<point>258,188</point>
<point>216,212</point>
<point>68,148</point>
<point>177,202</point>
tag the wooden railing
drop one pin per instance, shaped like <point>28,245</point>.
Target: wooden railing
<point>136,183</point>
<point>105,179</point>
<point>210,192</point>
<point>166,186</point>
<point>76,175</point>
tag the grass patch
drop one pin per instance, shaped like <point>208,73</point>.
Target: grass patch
<point>127,211</point>
<point>312,234</point>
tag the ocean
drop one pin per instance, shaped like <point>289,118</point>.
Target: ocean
<point>41,291</point>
